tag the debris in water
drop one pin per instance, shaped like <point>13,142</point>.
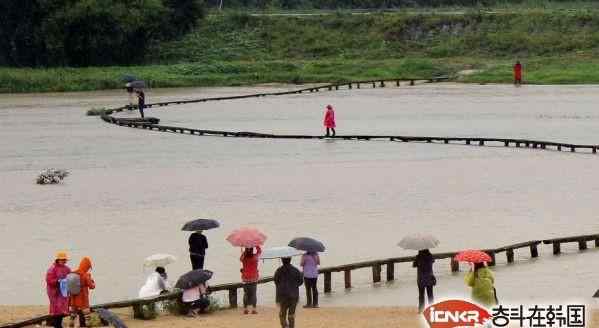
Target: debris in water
<point>51,176</point>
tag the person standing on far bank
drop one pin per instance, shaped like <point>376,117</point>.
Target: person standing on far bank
<point>329,120</point>
<point>197,249</point>
<point>425,277</point>
<point>287,280</point>
<point>518,73</point>
<point>141,102</point>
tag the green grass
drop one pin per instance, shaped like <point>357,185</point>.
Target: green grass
<point>555,46</point>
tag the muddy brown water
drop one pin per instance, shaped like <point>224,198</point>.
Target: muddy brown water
<point>131,190</point>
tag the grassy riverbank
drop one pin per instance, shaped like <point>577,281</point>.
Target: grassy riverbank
<point>555,46</point>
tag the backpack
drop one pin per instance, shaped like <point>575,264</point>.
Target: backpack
<point>73,282</point>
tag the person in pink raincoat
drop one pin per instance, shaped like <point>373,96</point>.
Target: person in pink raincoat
<point>59,305</point>
<point>329,120</point>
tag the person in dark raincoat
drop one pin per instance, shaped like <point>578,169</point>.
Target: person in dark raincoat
<point>197,249</point>
<point>287,280</point>
<point>425,277</point>
<point>141,102</point>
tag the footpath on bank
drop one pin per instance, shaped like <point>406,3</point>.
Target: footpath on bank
<point>376,266</point>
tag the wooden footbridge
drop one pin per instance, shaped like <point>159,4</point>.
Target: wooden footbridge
<point>151,123</point>
<point>376,267</point>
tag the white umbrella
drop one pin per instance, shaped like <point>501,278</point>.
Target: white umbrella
<point>280,252</point>
<point>159,260</point>
<point>419,242</point>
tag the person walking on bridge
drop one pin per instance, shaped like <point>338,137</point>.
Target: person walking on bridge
<point>141,102</point>
<point>518,73</point>
<point>329,120</point>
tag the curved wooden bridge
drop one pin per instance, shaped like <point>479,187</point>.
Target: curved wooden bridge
<point>151,123</point>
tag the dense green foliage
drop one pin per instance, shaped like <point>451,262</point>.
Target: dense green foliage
<point>385,35</point>
<point>89,32</point>
<point>555,46</point>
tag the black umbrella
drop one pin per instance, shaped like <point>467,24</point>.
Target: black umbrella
<point>111,318</point>
<point>193,278</point>
<point>128,78</point>
<point>200,224</point>
<point>138,84</point>
<point>307,244</point>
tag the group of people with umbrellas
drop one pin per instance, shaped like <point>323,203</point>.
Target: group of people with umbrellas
<point>287,278</point>
<point>479,278</point>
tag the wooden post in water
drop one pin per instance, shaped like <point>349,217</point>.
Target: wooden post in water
<point>330,88</point>
<point>572,149</point>
<point>582,244</point>
<point>373,85</point>
<point>446,141</point>
<point>556,248</point>
<point>481,142</point>
<point>397,83</point>
<point>349,85</point>
<point>382,85</point>
<point>594,150</point>
<point>455,265</point>
<point>233,298</point>
<point>596,242</point>
<point>467,141</point>
<point>390,271</point>
<point>506,143</point>
<point>534,251</point>
<point>347,278</point>
<point>411,82</point>
<point>327,282</point>
<point>510,255</point>
<point>376,273</point>
<point>336,86</point>
<point>559,147</point>
<point>358,85</point>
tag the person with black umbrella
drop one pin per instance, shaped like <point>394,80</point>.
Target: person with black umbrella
<point>197,249</point>
<point>141,101</point>
<point>287,280</point>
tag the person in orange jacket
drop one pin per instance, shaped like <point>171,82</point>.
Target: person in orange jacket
<point>80,302</point>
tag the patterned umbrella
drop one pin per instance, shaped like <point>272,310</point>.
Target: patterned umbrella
<point>246,237</point>
<point>473,256</point>
<point>419,242</point>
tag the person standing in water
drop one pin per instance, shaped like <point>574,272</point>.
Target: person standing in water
<point>329,120</point>
<point>425,277</point>
<point>141,101</point>
<point>518,73</point>
<point>197,249</point>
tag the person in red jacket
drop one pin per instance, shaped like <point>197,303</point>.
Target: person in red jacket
<point>250,276</point>
<point>518,73</point>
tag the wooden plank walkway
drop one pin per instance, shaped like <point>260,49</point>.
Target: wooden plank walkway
<point>376,266</point>
<point>151,123</point>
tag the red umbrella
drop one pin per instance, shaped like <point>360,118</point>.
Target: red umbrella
<point>246,237</point>
<point>472,256</point>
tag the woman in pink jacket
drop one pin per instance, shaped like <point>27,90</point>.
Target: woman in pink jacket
<point>59,305</point>
<point>329,120</point>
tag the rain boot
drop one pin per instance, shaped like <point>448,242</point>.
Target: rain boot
<point>315,300</point>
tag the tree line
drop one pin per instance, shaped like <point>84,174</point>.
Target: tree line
<point>37,33</point>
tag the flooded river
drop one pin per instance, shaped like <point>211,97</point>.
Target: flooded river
<point>131,190</point>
